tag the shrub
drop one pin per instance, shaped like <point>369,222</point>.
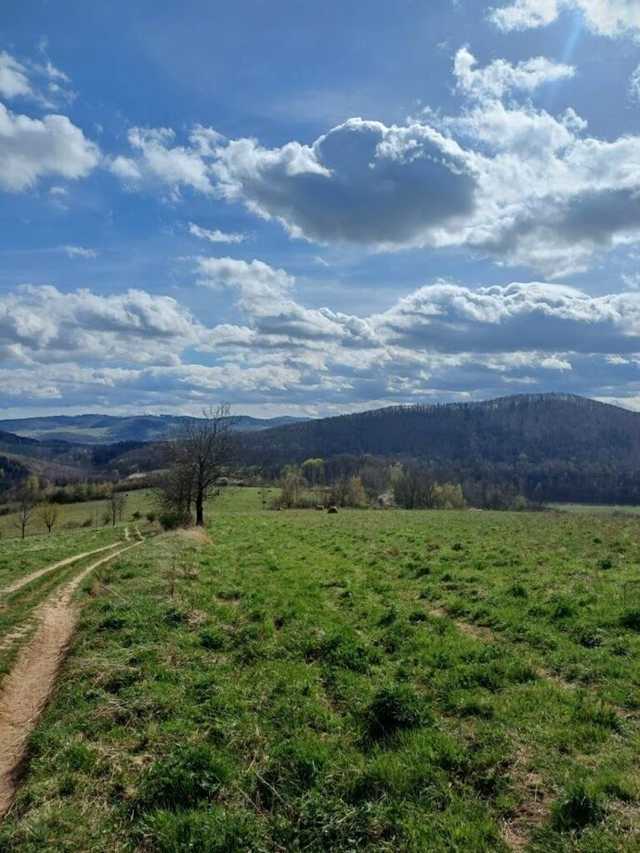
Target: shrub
<point>173,520</point>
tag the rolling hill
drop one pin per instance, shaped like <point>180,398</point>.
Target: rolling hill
<point>556,446</point>
<point>540,427</point>
<point>110,429</point>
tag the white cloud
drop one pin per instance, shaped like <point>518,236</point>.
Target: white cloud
<point>43,324</point>
<point>38,81</point>
<point>14,79</point>
<point>534,316</point>
<point>253,280</point>
<point>158,161</point>
<point>443,341</point>
<point>215,236</point>
<point>604,17</point>
<point>634,84</point>
<point>503,178</point>
<point>79,252</point>
<point>31,149</point>
<point>362,182</point>
<point>501,77</point>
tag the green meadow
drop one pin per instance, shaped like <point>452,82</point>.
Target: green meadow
<point>371,680</point>
<point>75,516</point>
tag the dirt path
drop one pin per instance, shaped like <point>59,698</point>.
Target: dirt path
<point>28,686</point>
<point>14,587</point>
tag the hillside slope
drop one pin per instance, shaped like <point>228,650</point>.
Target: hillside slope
<point>556,447</point>
<point>541,427</point>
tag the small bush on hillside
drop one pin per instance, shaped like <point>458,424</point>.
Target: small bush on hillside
<point>173,520</point>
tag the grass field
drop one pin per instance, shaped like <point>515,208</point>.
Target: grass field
<point>419,681</point>
<point>74,515</point>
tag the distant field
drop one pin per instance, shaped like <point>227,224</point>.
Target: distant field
<point>599,508</point>
<point>76,514</point>
<point>380,681</point>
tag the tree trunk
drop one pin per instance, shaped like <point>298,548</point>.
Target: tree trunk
<point>199,509</point>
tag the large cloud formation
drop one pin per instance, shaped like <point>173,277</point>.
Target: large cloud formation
<point>502,178</point>
<point>140,350</point>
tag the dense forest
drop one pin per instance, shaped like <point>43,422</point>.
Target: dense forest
<point>547,447</point>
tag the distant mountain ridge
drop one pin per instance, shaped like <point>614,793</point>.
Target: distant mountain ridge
<point>110,429</point>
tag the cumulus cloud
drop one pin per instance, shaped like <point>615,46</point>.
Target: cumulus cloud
<point>604,17</point>
<point>31,149</point>
<point>362,182</point>
<point>215,235</point>
<point>503,178</point>
<point>42,324</point>
<point>443,341</point>
<point>158,161</point>
<point>535,316</point>
<point>501,77</point>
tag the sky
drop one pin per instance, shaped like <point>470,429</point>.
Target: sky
<point>309,209</point>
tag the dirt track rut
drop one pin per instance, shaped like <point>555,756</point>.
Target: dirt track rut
<point>29,684</point>
<point>16,585</point>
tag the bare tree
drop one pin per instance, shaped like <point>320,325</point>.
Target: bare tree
<point>199,455</point>
<point>26,503</point>
<point>117,503</point>
<point>49,516</point>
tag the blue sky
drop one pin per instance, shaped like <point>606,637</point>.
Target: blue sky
<point>317,208</point>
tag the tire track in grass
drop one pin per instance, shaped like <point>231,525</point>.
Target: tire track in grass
<point>29,684</point>
<point>68,561</point>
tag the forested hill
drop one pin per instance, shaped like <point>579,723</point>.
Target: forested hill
<point>548,441</point>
